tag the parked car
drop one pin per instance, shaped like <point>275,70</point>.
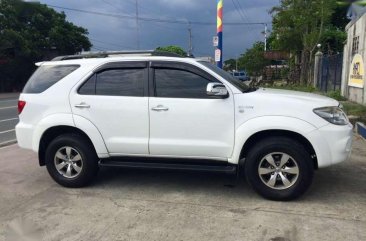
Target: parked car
<point>147,111</point>
<point>240,75</point>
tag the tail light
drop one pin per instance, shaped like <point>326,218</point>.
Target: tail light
<point>21,105</point>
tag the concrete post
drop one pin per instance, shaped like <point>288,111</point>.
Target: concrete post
<point>317,67</point>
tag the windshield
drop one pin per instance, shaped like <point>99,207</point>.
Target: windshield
<point>237,83</point>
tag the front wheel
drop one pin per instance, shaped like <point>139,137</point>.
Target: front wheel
<point>279,168</point>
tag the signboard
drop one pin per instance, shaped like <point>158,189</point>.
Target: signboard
<point>357,72</point>
<point>215,41</point>
<point>217,55</point>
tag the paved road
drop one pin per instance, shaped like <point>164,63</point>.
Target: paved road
<point>8,118</point>
<point>156,205</point>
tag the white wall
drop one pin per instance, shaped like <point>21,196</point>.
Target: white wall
<point>355,94</point>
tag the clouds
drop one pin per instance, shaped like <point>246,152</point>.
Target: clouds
<point>188,4</point>
<point>108,33</point>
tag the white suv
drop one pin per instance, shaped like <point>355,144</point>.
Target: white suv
<point>142,110</point>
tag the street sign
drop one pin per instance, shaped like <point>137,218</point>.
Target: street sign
<point>215,41</point>
<point>217,55</point>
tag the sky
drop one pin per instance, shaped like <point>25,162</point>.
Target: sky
<point>115,33</point>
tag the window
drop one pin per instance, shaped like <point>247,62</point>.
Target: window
<point>237,83</point>
<point>46,76</point>
<point>88,88</point>
<point>176,83</point>
<point>121,82</point>
<point>355,45</point>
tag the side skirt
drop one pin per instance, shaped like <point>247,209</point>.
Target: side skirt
<point>170,164</point>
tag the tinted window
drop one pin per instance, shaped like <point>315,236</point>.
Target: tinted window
<point>88,88</point>
<point>46,76</point>
<point>237,83</point>
<point>121,82</point>
<point>179,84</point>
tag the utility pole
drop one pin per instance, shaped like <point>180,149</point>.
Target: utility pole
<point>236,64</point>
<point>265,37</point>
<point>137,26</point>
<point>218,52</point>
<point>190,44</point>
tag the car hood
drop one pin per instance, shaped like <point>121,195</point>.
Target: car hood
<point>298,97</point>
<point>274,102</point>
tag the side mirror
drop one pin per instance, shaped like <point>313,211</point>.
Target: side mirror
<point>217,89</point>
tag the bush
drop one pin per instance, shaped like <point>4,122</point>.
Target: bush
<point>336,95</point>
<point>296,87</point>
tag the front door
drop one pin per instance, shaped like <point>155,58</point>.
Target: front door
<point>184,120</point>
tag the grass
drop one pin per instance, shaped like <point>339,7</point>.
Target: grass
<point>352,108</point>
<point>336,95</point>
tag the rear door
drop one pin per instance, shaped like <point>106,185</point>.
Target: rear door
<point>114,99</point>
<point>184,120</point>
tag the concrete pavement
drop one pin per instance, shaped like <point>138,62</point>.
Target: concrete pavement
<point>150,205</point>
<point>8,117</point>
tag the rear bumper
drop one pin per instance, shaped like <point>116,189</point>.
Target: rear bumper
<point>24,134</point>
<point>332,144</point>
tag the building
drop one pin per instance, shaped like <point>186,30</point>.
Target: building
<point>353,76</point>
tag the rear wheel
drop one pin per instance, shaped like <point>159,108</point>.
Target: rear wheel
<point>71,160</point>
<point>279,168</point>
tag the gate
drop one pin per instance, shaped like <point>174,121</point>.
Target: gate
<point>330,72</point>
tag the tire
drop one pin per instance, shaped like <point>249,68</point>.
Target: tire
<point>279,182</point>
<point>75,158</point>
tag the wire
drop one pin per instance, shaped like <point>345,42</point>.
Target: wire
<point>111,44</point>
<point>242,10</point>
<point>237,10</point>
<point>98,48</point>
<point>241,13</point>
<point>146,19</point>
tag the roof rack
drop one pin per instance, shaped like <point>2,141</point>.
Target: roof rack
<point>106,54</point>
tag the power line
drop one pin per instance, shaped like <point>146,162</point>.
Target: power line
<point>98,48</point>
<point>111,44</point>
<point>113,5</point>
<point>146,19</point>
<point>242,10</point>
<point>237,10</point>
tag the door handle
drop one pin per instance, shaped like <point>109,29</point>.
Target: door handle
<point>82,105</point>
<point>160,108</point>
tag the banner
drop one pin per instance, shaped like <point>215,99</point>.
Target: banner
<point>357,72</point>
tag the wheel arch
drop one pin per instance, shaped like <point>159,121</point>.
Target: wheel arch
<point>53,132</point>
<point>256,137</point>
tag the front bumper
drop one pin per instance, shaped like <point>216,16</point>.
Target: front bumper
<point>332,143</point>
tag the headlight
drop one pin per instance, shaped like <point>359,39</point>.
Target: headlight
<point>334,115</point>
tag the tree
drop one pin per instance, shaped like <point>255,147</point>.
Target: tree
<point>172,49</point>
<point>253,60</point>
<point>230,64</point>
<point>334,35</point>
<point>355,8</point>
<point>300,26</point>
<point>30,32</point>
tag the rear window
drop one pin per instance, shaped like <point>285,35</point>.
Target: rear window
<point>46,76</point>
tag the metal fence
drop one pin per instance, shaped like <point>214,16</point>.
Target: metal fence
<point>330,72</point>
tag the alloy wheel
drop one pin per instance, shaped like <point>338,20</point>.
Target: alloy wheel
<point>278,170</point>
<point>68,162</point>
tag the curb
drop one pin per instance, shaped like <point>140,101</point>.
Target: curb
<point>4,96</point>
<point>7,143</point>
<point>361,129</point>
